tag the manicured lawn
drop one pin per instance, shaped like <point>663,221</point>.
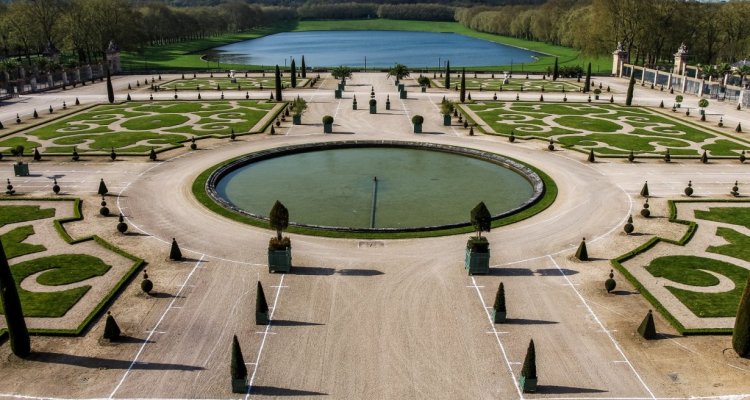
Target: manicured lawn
<point>15,214</point>
<point>252,83</point>
<point>187,55</point>
<point>13,242</point>
<point>61,269</point>
<point>137,127</point>
<point>687,270</point>
<point>608,129</point>
<point>738,247</point>
<point>729,215</point>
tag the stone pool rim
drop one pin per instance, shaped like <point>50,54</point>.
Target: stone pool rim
<point>220,171</point>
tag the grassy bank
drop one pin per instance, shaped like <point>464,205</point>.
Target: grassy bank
<point>187,55</point>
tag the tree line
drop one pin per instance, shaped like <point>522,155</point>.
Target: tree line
<point>650,30</point>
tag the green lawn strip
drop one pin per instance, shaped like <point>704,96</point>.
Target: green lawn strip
<point>547,198</point>
<point>13,242</point>
<point>687,270</point>
<point>186,55</point>
<point>728,215</point>
<point>62,269</point>
<point>111,295</point>
<point>738,247</point>
<point>514,85</point>
<point>12,214</point>
<point>692,227</point>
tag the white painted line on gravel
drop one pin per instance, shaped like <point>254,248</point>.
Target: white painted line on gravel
<point>601,325</point>
<point>263,342</point>
<point>148,338</point>
<point>497,337</point>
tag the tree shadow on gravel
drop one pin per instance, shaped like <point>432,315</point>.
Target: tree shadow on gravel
<point>276,391</point>
<point>96,362</point>
<point>312,271</point>
<point>556,272</point>
<point>500,271</point>
<point>523,321</point>
<point>359,272</point>
<point>553,389</point>
<point>286,322</point>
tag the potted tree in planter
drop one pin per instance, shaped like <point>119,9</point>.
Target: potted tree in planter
<point>373,106</point>
<point>477,247</point>
<point>298,107</point>
<point>279,248</point>
<point>597,92</point>
<point>20,168</point>
<point>703,103</point>
<point>399,71</point>
<point>678,100</point>
<point>327,124</point>
<point>446,108</point>
<point>424,82</point>
<point>341,72</point>
<point>417,120</point>
<point>528,379</point>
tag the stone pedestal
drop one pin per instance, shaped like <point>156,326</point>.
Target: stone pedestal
<point>680,60</point>
<point>619,57</point>
<point>744,99</point>
<point>33,84</point>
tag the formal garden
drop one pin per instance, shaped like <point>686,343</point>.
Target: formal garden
<point>225,83</point>
<point>63,282</point>
<point>706,270</point>
<point>138,127</point>
<point>606,128</point>
<point>517,84</point>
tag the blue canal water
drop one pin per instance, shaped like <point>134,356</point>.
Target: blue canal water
<point>381,48</point>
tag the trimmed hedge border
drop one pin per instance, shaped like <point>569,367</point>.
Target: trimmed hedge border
<point>545,199</point>
<point>613,156</point>
<point>692,227</point>
<point>109,297</point>
<point>25,130</point>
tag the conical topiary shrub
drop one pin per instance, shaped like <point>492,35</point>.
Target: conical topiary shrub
<point>738,129</point>
<point>174,253</point>
<point>498,309</point>
<point>741,333</point>
<point>102,188</point>
<point>647,329</point>
<point>591,156</point>
<point>743,158</point>
<point>238,370</point>
<point>610,283</point>
<point>261,307</point>
<point>629,228</point>
<point>528,379</point>
<point>146,285</point>
<point>582,253</point>
<point>644,190</point>
<point>111,329</point>
<point>704,157</point>
<point>631,156</point>
<point>667,156</point>
<point>689,189</point>
<point>20,343</point>
<point>152,155</point>
<point>112,154</point>
<point>37,154</point>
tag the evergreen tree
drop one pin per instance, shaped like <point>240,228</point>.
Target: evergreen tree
<point>110,90</point>
<point>277,81</point>
<point>500,299</point>
<point>175,253</point>
<point>111,329</point>
<point>102,188</point>
<point>648,328</point>
<point>238,367</point>
<point>293,67</point>
<point>481,218</point>
<point>587,83</point>
<point>555,71</point>
<point>448,74</point>
<point>462,97</point>
<point>529,363</point>
<point>741,333</point>
<point>261,306</point>
<point>644,190</point>
<point>303,67</point>
<point>582,253</point>
<point>631,88</point>
<point>279,218</point>
<point>19,335</point>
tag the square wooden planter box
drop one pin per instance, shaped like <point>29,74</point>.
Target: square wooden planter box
<point>296,119</point>
<point>337,93</point>
<point>280,260</point>
<point>21,169</point>
<point>447,120</point>
<point>477,263</point>
<point>402,94</point>
<point>498,317</point>
<point>417,128</point>
<point>261,318</point>
<point>528,385</point>
<point>327,128</point>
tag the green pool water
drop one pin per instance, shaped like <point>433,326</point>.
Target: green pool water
<point>336,188</point>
